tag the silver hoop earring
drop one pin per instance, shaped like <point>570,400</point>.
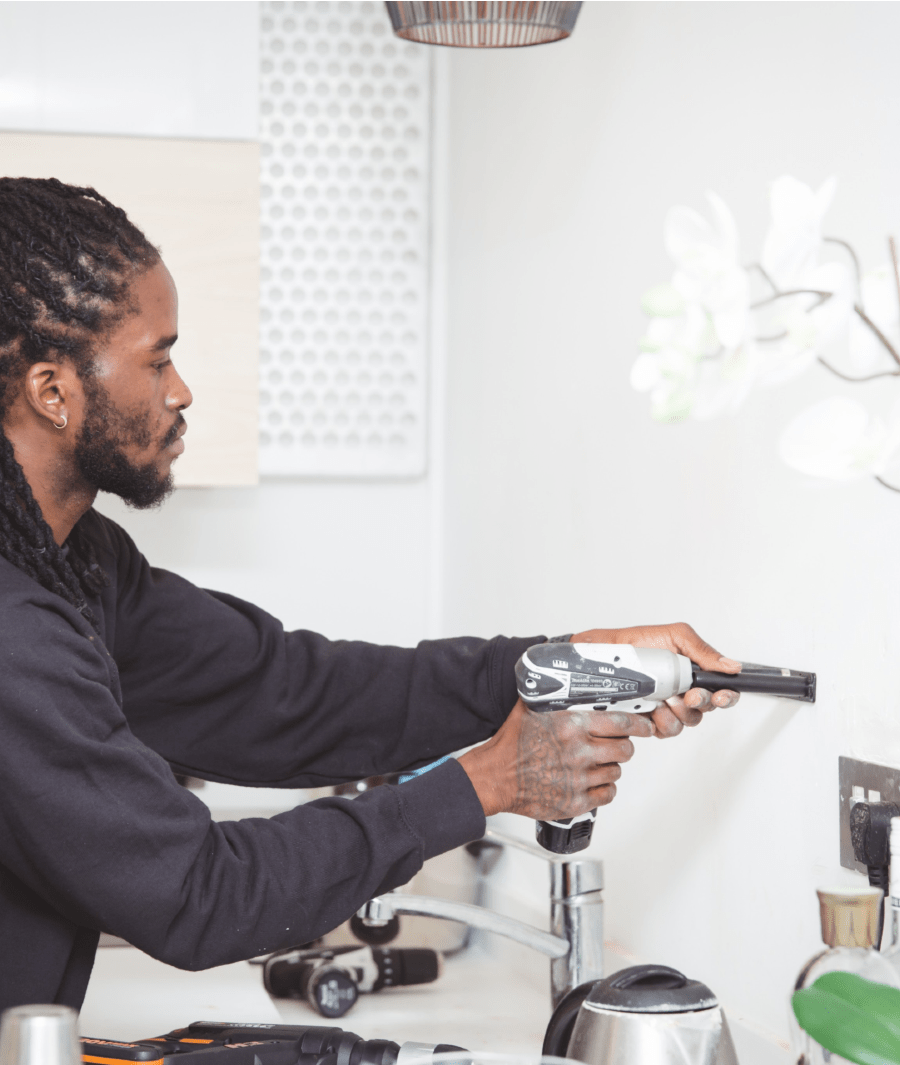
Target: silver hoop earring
<point>64,424</point>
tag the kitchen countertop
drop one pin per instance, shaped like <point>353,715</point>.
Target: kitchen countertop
<point>492,997</point>
<point>484,1000</point>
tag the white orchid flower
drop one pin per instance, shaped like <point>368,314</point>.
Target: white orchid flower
<point>881,301</point>
<point>707,268</point>
<point>837,438</point>
<point>707,345</point>
<point>666,374</point>
<point>671,348</point>
<point>696,356</point>
<point>722,384</point>
<point>792,244</point>
<point>794,331</point>
<point>687,372</point>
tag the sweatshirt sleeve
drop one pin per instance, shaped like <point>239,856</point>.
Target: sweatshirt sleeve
<point>223,692</point>
<point>94,822</point>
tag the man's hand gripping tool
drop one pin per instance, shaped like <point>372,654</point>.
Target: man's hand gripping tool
<point>584,676</point>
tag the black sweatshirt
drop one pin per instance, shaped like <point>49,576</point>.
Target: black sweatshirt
<point>95,833</point>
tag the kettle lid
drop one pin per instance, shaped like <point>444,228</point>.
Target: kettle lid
<point>651,989</point>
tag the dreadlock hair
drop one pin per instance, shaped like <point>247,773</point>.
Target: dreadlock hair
<point>67,259</point>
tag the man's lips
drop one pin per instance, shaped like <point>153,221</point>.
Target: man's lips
<point>173,437</point>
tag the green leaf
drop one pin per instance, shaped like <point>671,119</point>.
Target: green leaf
<point>662,301</point>
<point>853,1017</point>
<point>880,999</point>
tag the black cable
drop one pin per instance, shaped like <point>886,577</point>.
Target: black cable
<point>870,833</point>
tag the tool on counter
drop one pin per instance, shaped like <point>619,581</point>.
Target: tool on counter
<point>331,979</point>
<point>581,676</point>
<point>222,1043</point>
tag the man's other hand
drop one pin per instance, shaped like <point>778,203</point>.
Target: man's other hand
<point>670,717</point>
<point>552,765</point>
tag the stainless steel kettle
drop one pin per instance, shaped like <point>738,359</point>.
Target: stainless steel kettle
<point>649,1014</point>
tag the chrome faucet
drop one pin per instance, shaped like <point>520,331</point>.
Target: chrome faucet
<point>575,941</point>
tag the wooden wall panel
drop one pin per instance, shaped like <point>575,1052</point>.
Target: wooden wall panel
<point>198,201</point>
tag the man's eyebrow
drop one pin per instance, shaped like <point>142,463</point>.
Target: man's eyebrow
<point>164,342</point>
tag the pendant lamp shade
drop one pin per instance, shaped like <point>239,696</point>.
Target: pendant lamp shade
<point>483,23</point>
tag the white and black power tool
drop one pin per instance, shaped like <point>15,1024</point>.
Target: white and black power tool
<point>585,676</point>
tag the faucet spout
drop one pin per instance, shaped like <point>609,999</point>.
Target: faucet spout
<point>380,910</point>
<point>575,941</point>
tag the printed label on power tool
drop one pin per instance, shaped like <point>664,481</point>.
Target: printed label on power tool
<point>580,684</point>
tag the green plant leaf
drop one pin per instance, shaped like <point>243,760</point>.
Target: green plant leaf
<point>880,999</point>
<point>853,1017</point>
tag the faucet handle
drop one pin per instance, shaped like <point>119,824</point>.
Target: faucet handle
<point>377,912</point>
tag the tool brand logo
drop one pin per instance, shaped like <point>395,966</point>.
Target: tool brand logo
<point>331,994</point>
<point>108,1043</point>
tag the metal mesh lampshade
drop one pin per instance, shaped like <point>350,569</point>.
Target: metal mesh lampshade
<point>483,23</point>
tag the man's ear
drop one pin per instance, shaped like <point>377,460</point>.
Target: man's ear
<point>48,389</point>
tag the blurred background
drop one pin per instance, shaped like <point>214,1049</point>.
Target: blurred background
<point>502,475</point>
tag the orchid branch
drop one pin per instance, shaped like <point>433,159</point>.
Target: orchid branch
<point>857,269</point>
<point>764,274</point>
<point>823,297</point>
<point>884,340</point>
<point>893,248</point>
<point>857,380</point>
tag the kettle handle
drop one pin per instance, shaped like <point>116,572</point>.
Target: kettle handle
<point>638,974</point>
<point>562,1022</point>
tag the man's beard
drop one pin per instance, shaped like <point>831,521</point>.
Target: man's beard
<point>101,457</point>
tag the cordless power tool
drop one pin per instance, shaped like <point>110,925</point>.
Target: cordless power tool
<point>331,978</point>
<point>586,676</point>
<point>224,1043</point>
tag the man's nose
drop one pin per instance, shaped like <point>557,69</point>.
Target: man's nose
<point>179,398</point>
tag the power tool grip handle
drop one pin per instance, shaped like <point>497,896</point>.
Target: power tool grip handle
<point>566,837</point>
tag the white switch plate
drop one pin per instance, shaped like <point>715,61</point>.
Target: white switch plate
<point>863,781</point>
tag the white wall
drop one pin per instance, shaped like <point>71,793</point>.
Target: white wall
<point>350,560</point>
<point>564,161</point>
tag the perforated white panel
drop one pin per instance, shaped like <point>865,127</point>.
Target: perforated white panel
<point>345,143</point>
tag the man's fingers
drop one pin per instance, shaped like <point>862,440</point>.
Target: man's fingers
<point>701,699</point>
<point>725,698</point>
<point>688,643</point>
<point>603,795</point>
<point>607,750</point>
<point>697,699</point>
<point>618,723</point>
<point>604,774</point>
<point>679,637</point>
<point>669,723</point>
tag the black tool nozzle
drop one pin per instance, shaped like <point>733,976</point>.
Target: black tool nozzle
<point>761,680</point>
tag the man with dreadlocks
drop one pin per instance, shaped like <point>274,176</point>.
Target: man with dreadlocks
<point>115,676</point>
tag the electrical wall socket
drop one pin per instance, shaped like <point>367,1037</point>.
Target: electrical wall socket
<point>866,782</point>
